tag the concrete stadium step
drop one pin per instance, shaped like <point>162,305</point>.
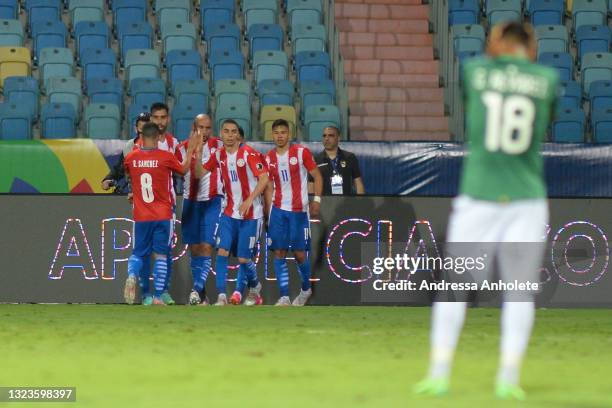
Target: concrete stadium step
<point>393,80</point>
<point>381,67</point>
<point>399,123</point>
<point>394,53</point>
<point>403,109</point>
<point>386,39</point>
<point>392,135</point>
<point>378,94</point>
<point>364,25</point>
<point>381,11</point>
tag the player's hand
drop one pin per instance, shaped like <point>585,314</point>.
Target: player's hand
<point>315,208</point>
<point>106,184</point>
<point>244,207</point>
<point>130,197</point>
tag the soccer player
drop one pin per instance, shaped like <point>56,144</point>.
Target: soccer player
<point>201,209</point>
<point>150,170</point>
<point>509,101</point>
<point>244,179</point>
<point>287,205</point>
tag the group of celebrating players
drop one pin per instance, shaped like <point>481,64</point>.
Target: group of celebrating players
<point>230,190</point>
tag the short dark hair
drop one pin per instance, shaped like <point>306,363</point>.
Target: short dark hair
<point>241,131</point>
<point>159,106</point>
<point>280,122</point>
<point>230,122</point>
<point>150,130</point>
<point>517,31</point>
<point>143,117</point>
<point>335,129</point>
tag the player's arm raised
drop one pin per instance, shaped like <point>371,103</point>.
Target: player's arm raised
<point>194,146</point>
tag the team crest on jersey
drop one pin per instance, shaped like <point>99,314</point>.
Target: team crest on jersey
<point>293,161</point>
<point>240,163</point>
<point>213,150</point>
<point>259,166</point>
<point>343,163</point>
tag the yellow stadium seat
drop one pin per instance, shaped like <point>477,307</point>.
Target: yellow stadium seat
<point>569,4</point>
<point>14,61</point>
<point>270,113</point>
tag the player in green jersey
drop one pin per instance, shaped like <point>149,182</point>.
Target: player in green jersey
<point>509,102</point>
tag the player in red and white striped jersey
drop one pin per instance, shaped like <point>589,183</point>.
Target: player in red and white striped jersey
<point>287,205</point>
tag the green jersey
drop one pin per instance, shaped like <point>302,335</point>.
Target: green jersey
<point>509,103</point>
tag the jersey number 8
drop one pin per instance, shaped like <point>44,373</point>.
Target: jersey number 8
<point>146,185</point>
<point>509,123</point>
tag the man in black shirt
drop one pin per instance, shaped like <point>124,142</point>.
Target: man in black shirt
<point>339,168</point>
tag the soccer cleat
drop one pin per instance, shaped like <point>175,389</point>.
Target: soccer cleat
<point>205,302</point>
<point>129,291</point>
<point>432,386</point>
<point>283,301</point>
<point>236,298</point>
<point>221,300</point>
<point>506,391</point>
<point>158,301</point>
<point>147,301</point>
<point>302,298</point>
<point>167,299</point>
<point>194,298</point>
<point>254,297</point>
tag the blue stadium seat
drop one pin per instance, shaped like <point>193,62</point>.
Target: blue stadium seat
<point>99,63</point>
<point>142,64</point>
<point>147,91</point>
<point>240,113</point>
<point>11,33</point>
<point>216,12</point>
<point>129,11</point>
<point>172,11</point>
<point>134,36</point>
<point>133,112</point>
<point>264,37</point>
<point>593,39</point>
<point>15,122</point>
<point>233,92</point>
<point>595,66</point>
<point>270,65</point>
<point>183,64</point>
<point>226,65</point>
<point>102,121</point>
<point>58,121</point>
<point>276,92</point>
<point>91,34</point>
<point>562,61</point>
<point>105,90</point>
<point>182,120</point>
<point>49,34</point>
<point>65,90</point>
<point>178,36</point>
<point>9,9</point>
<point>464,56</point>
<point>468,37</point>
<point>194,92</point>
<point>463,12</point>
<point>259,12</point>
<point>503,10</point>
<point>56,62</point>
<point>221,37</point>
<point>547,12</point>
<point>568,126</point>
<point>600,95</point>
<point>43,11</point>
<point>312,65</point>
<point>304,12</point>
<point>552,38</point>
<point>86,10</point>
<point>601,122</point>
<point>588,12</point>
<point>317,93</point>
<point>318,117</point>
<point>570,94</point>
<point>22,91</point>
<point>308,37</point>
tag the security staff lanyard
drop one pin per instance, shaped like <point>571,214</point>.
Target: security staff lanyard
<point>336,179</point>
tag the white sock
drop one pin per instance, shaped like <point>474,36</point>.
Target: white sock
<point>447,321</point>
<point>516,323</point>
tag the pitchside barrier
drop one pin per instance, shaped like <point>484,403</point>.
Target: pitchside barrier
<point>74,249</point>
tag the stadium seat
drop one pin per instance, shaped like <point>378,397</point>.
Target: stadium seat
<point>233,92</point>
<point>43,11</point>
<point>593,39</point>
<point>463,12</point>
<point>270,113</point>
<point>147,91</point>
<point>562,61</point>
<point>86,10</point>
<point>58,121</point>
<point>9,9</point>
<point>142,64</point>
<point>552,38</point>
<point>503,10</point>
<point>222,37</point>
<point>11,33</point>
<point>595,66</point>
<point>183,64</point>
<point>568,126</point>
<point>172,12</point>
<point>22,91</point>
<point>102,121</point>
<point>182,120</point>
<point>464,56</point>
<point>15,121</point>
<point>216,12</point>
<point>304,12</point>
<point>317,93</point>
<point>65,90</point>
<point>129,11</point>
<point>56,62</point>
<point>134,36</point>
<point>99,63</point>
<point>178,36</point>
<point>547,12</point>
<point>226,65</point>
<point>600,95</point>
<point>133,112</point>
<point>270,65</point>
<point>468,37</point>
<point>312,65</point>
<point>259,12</point>
<point>276,92</point>
<point>264,37</point>
<point>601,122</point>
<point>91,34</point>
<point>194,92</point>
<point>48,34</point>
<point>240,113</point>
<point>318,117</point>
<point>308,37</point>
<point>588,12</point>
<point>570,94</point>
<point>14,61</point>
<point>105,90</point>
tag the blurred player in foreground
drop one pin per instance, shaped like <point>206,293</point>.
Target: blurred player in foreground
<point>287,206</point>
<point>509,102</point>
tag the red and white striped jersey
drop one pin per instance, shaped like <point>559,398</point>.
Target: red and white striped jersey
<point>239,175</point>
<point>289,176</point>
<point>208,186</point>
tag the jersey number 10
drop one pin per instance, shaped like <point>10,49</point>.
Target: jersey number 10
<point>509,122</point>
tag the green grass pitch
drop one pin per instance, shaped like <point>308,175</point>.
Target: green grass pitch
<point>132,356</point>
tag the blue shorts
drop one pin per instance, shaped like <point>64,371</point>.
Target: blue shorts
<point>239,237</point>
<point>152,236</point>
<point>199,220</point>
<point>288,229</point>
